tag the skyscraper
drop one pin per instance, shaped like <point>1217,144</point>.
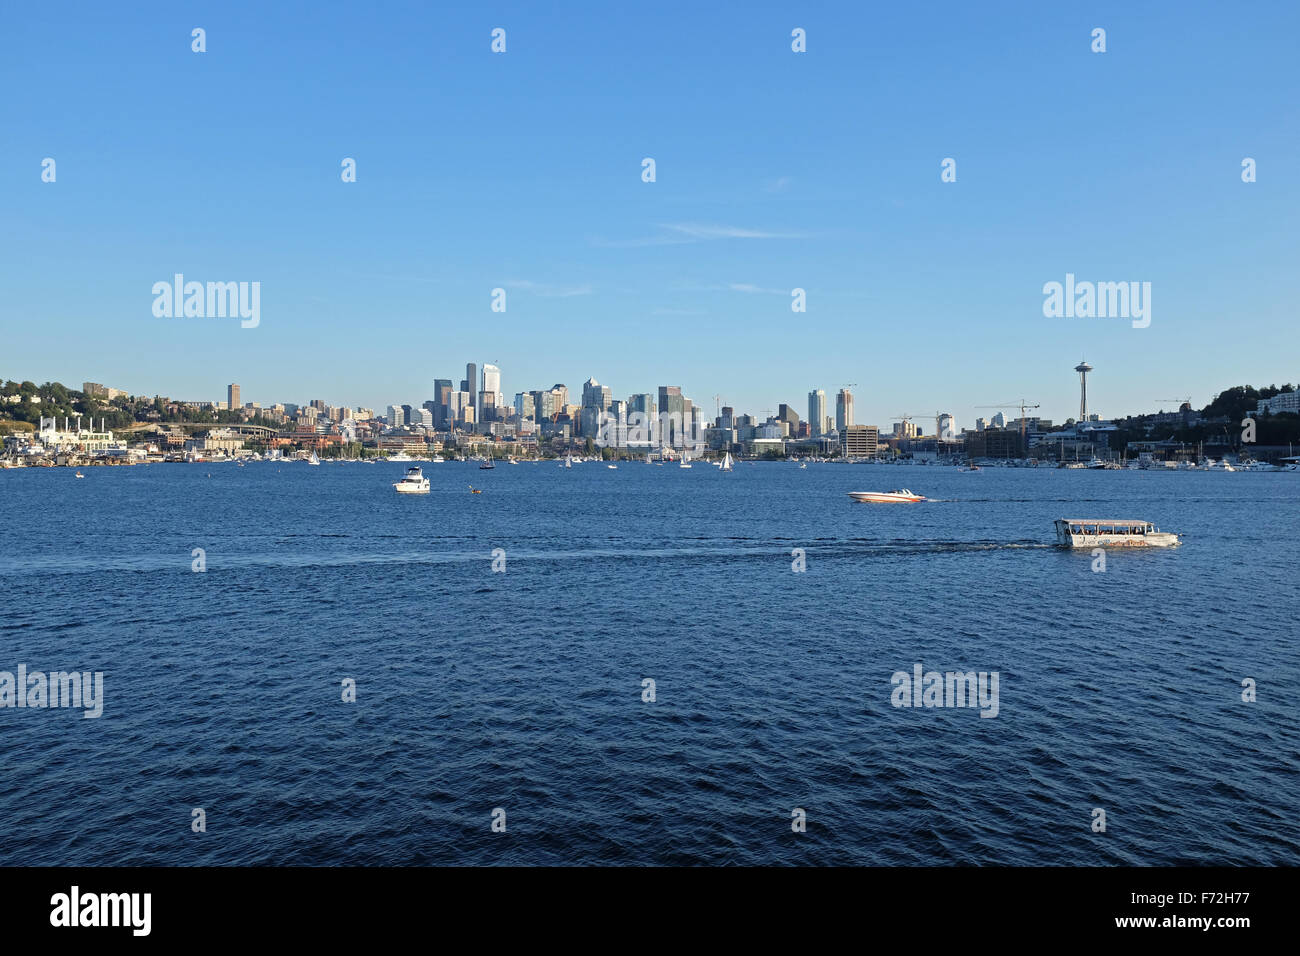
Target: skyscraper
<point>441,397</point>
<point>232,397</point>
<point>491,394</point>
<point>471,386</point>
<point>671,406</point>
<point>817,411</point>
<point>843,410</point>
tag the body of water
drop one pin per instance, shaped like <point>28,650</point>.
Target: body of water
<point>523,689</point>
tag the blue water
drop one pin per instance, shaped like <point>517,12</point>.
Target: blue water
<point>523,690</point>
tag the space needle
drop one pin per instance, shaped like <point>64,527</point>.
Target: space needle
<point>1083,368</point>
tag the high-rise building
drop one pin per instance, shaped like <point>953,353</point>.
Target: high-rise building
<point>843,410</point>
<point>525,408</point>
<point>441,392</point>
<point>671,407</point>
<point>791,418</point>
<point>396,417</point>
<point>817,411</point>
<point>471,385</point>
<point>595,395</point>
<point>232,397</point>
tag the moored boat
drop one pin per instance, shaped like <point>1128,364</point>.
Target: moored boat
<point>1107,533</point>
<point>414,483</point>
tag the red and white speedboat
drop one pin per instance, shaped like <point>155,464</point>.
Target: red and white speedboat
<point>885,497</point>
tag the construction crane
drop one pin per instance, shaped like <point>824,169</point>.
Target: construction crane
<point>717,400</point>
<point>1180,402</point>
<point>1022,405</point>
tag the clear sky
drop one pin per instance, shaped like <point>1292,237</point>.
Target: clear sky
<point>775,170</point>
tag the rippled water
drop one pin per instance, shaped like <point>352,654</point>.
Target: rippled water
<point>523,690</point>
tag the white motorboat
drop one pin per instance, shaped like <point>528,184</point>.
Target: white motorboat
<point>1107,533</point>
<point>414,483</point>
<point>886,497</point>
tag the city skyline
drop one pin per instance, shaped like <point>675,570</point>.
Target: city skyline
<point>519,178</point>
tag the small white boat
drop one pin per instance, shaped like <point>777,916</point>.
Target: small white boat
<point>612,467</point>
<point>78,475</point>
<point>313,460</point>
<point>1104,533</point>
<point>886,497</point>
<point>414,483</point>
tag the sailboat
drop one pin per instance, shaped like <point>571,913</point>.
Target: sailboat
<point>313,460</point>
<point>727,462</point>
<point>568,461</point>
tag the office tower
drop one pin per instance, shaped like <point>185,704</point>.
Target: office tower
<point>595,395</point>
<point>232,397</point>
<point>441,392</point>
<point>843,410</point>
<point>788,415</point>
<point>408,414</point>
<point>561,396</point>
<point>859,441</point>
<point>817,411</point>
<point>489,397</point>
<point>728,417</point>
<point>671,405</point>
<point>396,417</point>
<point>471,385</point>
<point>525,408</point>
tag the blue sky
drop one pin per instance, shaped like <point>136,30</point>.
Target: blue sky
<point>775,170</point>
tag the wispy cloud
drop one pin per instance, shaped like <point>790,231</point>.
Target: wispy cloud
<point>547,290</point>
<point>678,233</point>
<point>754,289</point>
<point>778,185</point>
<point>701,231</point>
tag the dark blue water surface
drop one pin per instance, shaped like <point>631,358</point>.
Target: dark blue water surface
<point>523,690</point>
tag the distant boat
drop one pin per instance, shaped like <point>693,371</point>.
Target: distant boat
<point>612,467</point>
<point>727,462</point>
<point>414,483</point>
<point>313,460</point>
<point>487,465</point>
<point>1095,533</point>
<point>474,491</point>
<point>78,475</point>
<point>886,497</point>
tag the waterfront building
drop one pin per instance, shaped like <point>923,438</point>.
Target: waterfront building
<point>859,441</point>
